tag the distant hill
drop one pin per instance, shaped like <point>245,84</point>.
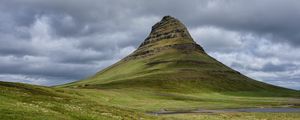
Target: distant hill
<point>170,60</point>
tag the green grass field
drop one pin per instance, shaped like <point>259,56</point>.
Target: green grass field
<point>28,102</point>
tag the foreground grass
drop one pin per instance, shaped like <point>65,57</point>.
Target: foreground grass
<point>146,100</point>
<point>28,102</point>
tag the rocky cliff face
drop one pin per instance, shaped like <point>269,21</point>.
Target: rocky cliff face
<point>167,29</point>
<point>169,33</point>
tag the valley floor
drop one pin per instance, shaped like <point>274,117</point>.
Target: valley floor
<point>28,102</point>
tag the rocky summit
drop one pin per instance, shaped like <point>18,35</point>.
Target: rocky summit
<point>169,33</point>
<point>170,60</point>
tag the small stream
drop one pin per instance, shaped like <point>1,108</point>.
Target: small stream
<point>276,110</point>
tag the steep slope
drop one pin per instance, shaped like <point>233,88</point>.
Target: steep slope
<point>169,59</point>
<point>30,102</point>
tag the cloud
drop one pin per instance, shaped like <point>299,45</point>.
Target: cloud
<point>53,41</point>
<point>47,59</point>
<point>259,58</point>
<point>217,39</point>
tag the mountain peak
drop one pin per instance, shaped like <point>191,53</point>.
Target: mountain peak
<point>168,27</point>
<point>165,20</point>
<point>167,17</point>
<point>169,33</point>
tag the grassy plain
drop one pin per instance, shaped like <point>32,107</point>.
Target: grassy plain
<point>29,102</point>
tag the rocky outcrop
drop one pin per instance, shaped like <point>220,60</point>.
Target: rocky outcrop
<point>168,30</point>
<point>184,48</point>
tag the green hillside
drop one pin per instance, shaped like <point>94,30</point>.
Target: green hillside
<point>170,60</point>
<point>28,102</point>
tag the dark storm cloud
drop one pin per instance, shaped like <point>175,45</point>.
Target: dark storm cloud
<point>279,19</point>
<point>275,17</point>
<point>282,67</point>
<point>56,41</point>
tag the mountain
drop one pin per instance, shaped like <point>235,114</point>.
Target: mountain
<point>169,59</point>
<point>168,72</point>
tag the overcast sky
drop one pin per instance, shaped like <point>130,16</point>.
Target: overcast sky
<point>50,42</point>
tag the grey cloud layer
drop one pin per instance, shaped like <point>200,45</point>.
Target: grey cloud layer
<point>54,41</point>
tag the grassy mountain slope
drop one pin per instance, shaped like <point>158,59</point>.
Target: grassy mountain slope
<point>28,102</point>
<point>175,72</point>
<point>169,59</point>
